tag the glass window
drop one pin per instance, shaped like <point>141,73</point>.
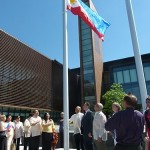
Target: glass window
<point>136,92</point>
<point>126,76</point>
<point>88,52</point>
<point>86,47</point>
<point>119,77</point>
<point>147,73</point>
<point>115,77</point>
<point>86,36</point>
<point>87,41</point>
<point>86,31</point>
<point>87,58</point>
<point>133,75</point>
<point>89,77</point>
<point>89,90</point>
<point>88,71</point>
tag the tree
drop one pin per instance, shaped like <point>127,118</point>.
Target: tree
<point>115,94</point>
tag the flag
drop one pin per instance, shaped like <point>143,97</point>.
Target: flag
<point>91,18</point>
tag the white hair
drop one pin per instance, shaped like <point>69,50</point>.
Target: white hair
<point>100,106</point>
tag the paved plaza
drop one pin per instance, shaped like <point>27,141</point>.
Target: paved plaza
<point>21,148</point>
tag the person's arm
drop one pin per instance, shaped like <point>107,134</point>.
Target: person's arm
<point>90,124</point>
<point>102,122</point>
<point>113,122</point>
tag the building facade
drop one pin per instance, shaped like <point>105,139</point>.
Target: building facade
<point>29,80</point>
<point>123,71</point>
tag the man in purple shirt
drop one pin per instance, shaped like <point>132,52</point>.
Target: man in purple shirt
<point>129,125</point>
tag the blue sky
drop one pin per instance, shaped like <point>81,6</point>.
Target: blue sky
<point>38,24</point>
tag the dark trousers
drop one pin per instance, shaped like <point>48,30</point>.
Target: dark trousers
<point>17,142</point>
<point>61,139</point>
<point>35,142</point>
<point>46,140</point>
<point>128,147</point>
<point>79,141</point>
<point>27,143</point>
<point>88,142</point>
<point>2,143</point>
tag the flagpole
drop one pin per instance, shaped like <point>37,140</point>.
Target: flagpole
<point>136,49</point>
<point>65,78</point>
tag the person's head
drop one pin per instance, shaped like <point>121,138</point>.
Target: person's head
<point>46,116</point>
<point>3,118</point>
<point>62,114</point>
<point>9,117</point>
<point>78,109</point>
<point>129,101</point>
<point>98,107</point>
<point>17,118</point>
<point>148,102</point>
<point>30,115</point>
<point>116,107</point>
<point>86,106</point>
<point>36,112</point>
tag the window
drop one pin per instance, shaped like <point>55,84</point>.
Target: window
<point>119,77</point>
<point>133,75</point>
<point>126,76</point>
<point>85,47</point>
<point>147,73</point>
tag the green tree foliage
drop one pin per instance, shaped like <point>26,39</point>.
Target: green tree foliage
<point>115,94</point>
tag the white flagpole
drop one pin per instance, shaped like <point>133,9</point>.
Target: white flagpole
<point>136,49</point>
<point>65,78</point>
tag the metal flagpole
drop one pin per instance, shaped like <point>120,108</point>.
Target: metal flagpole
<point>136,49</point>
<point>65,78</point>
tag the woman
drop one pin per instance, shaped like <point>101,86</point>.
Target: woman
<point>147,119</point>
<point>115,108</point>
<point>10,131</point>
<point>2,132</point>
<point>47,132</point>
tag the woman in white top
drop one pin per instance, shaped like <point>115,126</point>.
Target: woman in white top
<point>10,131</point>
<point>18,131</point>
<point>2,132</point>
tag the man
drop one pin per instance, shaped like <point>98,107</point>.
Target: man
<point>76,119</point>
<point>99,132</point>
<point>61,130</point>
<point>129,125</point>
<point>87,126</point>
<point>27,132</point>
<point>35,122</point>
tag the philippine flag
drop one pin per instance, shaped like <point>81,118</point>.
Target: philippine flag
<point>91,18</point>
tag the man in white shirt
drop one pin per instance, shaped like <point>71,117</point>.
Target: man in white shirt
<point>99,132</point>
<point>35,122</point>
<point>27,132</point>
<point>76,119</point>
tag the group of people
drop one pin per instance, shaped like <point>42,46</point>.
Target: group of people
<point>32,129</point>
<point>90,129</point>
<point>126,126</point>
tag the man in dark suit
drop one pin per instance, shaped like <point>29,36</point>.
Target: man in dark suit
<point>87,126</point>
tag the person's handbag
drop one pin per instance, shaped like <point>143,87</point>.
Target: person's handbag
<point>13,146</point>
<point>2,134</point>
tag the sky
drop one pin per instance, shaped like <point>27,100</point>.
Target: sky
<point>39,24</point>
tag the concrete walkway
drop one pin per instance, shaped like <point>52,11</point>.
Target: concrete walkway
<point>21,148</point>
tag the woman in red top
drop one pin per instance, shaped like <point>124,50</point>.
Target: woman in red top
<point>147,119</point>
